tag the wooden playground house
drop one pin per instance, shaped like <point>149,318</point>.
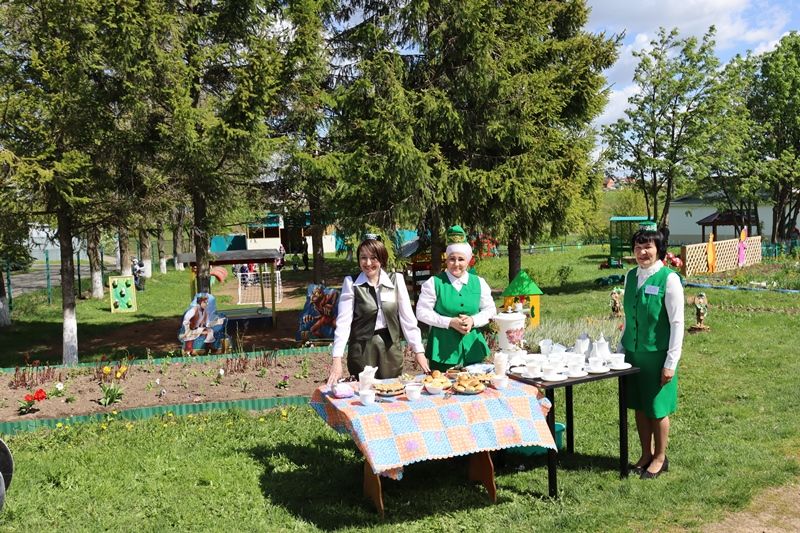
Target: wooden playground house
<point>523,290</point>
<point>620,231</point>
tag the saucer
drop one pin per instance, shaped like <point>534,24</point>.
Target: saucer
<point>528,375</point>
<point>623,366</point>
<point>557,377</point>
<point>601,370</point>
<point>578,375</point>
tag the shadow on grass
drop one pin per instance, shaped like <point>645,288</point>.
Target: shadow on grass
<point>325,486</point>
<point>575,287</point>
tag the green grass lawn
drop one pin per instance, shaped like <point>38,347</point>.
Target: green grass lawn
<point>736,433</point>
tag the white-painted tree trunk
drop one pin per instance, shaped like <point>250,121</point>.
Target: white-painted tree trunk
<point>5,316</point>
<point>148,268</point>
<point>70,323</point>
<point>162,265</point>
<point>70,348</point>
<point>97,285</point>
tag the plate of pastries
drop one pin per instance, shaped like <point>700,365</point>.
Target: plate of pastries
<point>468,384</point>
<point>437,379</point>
<point>388,388</point>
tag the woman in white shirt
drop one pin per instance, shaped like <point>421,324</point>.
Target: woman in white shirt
<point>454,303</point>
<point>652,339</point>
<point>374,313</point>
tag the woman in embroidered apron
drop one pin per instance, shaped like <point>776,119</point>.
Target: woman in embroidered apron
<point>453,303</point>
<point>652,339</point>
<point>374,312</point>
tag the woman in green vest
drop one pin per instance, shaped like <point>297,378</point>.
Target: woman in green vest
<point>453,303</point>
<point>652,339</point>
<point>374,313</point>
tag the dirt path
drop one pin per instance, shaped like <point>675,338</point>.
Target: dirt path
<point>774,510</point>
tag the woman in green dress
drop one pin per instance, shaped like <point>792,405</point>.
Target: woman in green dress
<point>453,303</point>
<point>652,339</point>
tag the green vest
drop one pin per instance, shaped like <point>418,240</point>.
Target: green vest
<point>646,321</point>
<point>446,345</point>
<point>365,312</point>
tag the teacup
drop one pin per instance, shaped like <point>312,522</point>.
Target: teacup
<point>576,358</point>
<point>500,363</point>
<point>550,369</point>
<point>367,396</point>
<point>414,391</point>
<point>500,382</point>
<point>616,359</point>
<point>575,368</point>
<point>533,369</point>
<point>595,363</point>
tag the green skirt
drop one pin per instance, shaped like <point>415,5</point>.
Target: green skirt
<point>378,351</point>
<point>644,390</point>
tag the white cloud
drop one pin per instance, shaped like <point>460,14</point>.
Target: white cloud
<point>617,102</point>
<point>741,25</point>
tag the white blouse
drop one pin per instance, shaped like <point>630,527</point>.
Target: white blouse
<point>344,316</point>
<point>427,301</point>
<point>673,302</point>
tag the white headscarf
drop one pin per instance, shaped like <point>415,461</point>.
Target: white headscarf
<point>461,248</point>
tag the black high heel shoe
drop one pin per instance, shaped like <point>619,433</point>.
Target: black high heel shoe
<point>653,475</point>
<point>636,469</point>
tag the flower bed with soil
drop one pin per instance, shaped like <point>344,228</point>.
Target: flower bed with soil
<point>159,382</point>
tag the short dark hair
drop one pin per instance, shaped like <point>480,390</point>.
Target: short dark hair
<point>374,247</point>
<point>644,236</point>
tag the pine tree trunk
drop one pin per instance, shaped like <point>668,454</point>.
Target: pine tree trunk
<point>317,248</point>
<point>5,315</point>
<point>177,236</point>
<point>124,252</point>
<point>201,241</point>
<point>162,245</point>
<point>69,318</point>
<point>95,270</point>
<point>437,246</point>
<point>514,255</point>
<point>147,254</point>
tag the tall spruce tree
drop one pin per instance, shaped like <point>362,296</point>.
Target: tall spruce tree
<point>472,111</point>
<point>220,65</point>
<point>59,97</point>
<point>307,172</point>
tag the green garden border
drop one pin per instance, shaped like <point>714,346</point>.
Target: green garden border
<point>143,413</point>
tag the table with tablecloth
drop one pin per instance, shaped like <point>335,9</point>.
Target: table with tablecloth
<point>396,432</point>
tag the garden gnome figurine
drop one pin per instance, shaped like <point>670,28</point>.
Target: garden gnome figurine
<point>701,311</point>
<point>616,302</point>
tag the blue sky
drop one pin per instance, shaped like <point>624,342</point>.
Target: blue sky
<point>742,25</point>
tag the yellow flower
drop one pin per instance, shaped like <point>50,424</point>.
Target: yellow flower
<point>189,416</point>
<point>129,426</point>
<point>123,369</point>
<point>114,412</point>
<point>59,425</point>
<point>106,370</point>
<point>118,375</point>
<point>103,427</point>
<point>261,419</point>
<point>169,414</point>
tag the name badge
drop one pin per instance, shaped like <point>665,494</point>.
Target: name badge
<point>651,289</point>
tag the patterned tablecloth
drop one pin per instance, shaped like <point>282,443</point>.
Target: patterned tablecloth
<point>399,432</point>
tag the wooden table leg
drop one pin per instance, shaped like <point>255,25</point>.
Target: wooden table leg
<point>481,469</point>
<point>372,488</point>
